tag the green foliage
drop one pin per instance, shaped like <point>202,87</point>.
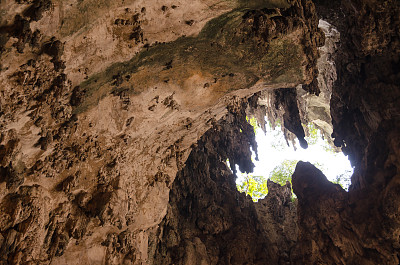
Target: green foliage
<point>314,134</point>
<point>253,122</point>
<point>255,186</point>
<point>283,172</point>
<point>337,180</point>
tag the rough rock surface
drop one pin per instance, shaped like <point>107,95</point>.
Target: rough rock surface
<point>101,102</point>
<point>117,117</point>
<point>210,222</point>
<point>313,108</point>
<point>361,226</point>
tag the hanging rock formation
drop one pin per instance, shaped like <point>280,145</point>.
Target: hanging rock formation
<point>117,118</point>
<point>361,226</point>
<point>210,222</point>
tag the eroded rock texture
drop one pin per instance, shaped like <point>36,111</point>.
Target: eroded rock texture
<point>210,222</point>
<point>102,101</point>
<point>361,226</point>
<point>117,117</point>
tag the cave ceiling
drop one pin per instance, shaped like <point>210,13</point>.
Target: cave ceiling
<point>117,118</point>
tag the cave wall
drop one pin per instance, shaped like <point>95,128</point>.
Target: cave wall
<point>210,222</point>
<point>361,226</point>
<point>102,102</point>
<point>117,117</point>
<point>333,226</point>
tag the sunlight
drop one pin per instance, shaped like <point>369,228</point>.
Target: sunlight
<point>274,152</point>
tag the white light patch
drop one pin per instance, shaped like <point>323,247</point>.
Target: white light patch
<point>273,150</point>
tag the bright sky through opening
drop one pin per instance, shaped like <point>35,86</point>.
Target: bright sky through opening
<point>273,150</point>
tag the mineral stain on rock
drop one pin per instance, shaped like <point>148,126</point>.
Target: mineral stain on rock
<point>219,48</point>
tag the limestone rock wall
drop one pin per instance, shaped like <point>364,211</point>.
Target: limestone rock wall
<point>333,226</point>
<point>361,226</point>
<point>210,222</point>
<point>102,101</point>
<point>117,117</point>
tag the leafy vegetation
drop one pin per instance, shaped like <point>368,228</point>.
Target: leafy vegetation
<point>283,172</point>
<point>253,122</point>
<point>313,134</point>
<point>256,186</point>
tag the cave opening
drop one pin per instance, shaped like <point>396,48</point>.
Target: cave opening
<point>296,126</point>
<point>277,159</point>
<point>117,119</point>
